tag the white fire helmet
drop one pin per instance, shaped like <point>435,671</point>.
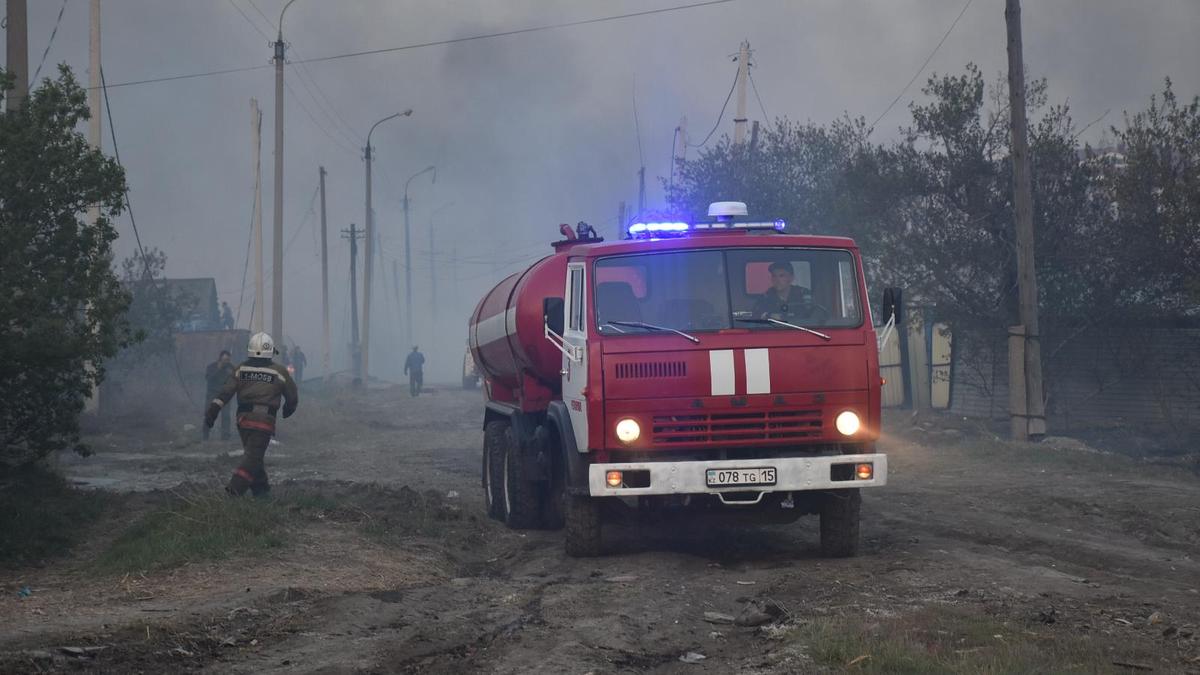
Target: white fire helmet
<point>262,346</point>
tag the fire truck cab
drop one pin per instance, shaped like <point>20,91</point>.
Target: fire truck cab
<point>719,368</point>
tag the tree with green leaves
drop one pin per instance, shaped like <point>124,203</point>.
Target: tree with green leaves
<point>62,307</point>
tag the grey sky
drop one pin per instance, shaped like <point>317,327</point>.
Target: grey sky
<point>530,130</point>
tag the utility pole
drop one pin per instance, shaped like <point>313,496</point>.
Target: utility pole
<point>368,267</point>
<point>94,126</point>
<point>355,354</point>
<point>641,191</point>
<point>620,220</point>
<point>17,57</point>
<point>259,307</point>
<point>1031,422</point>
<point>408,315</point>
<point>324,281</point>
<point>277,249</point>
<point>739,122</point>
<point>680,152</point>
<point>95,130</point>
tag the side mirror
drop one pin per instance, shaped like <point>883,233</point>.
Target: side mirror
<point>892,305</point>
<point>552,314</point>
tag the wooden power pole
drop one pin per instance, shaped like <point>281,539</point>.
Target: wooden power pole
<point>324,281</point>
<point>1030,422</point>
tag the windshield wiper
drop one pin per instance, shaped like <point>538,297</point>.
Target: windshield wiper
<point>784,323</point>
<point>650,326</point>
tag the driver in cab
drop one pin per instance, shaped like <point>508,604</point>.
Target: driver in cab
<point>783,300</point>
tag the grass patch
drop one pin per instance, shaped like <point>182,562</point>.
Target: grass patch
<point>203,524</point>
<point>198,526</point>
<point>42,516</point>
<point>944,640</point>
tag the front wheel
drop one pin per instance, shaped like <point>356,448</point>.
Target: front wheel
<point>583,526</point>
<point>839,523</point>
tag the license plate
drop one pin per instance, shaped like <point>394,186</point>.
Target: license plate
<point>763,475</point>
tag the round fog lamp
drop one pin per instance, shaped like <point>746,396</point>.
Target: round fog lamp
<point>847,423</point>
<point>628,430</point>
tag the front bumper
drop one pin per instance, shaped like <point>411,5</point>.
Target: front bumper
<point>688,477</point>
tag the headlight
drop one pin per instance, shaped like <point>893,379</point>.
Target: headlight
<point>628,430</point>
<point>847,423</point>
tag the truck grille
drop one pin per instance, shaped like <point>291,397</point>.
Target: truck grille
<point>728,427</point>
<point>650,369</point>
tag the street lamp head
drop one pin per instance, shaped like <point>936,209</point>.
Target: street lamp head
<point>407,113</point>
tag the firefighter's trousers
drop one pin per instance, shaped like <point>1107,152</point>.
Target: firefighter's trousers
<point>251,474</point>
<point>416,380</point>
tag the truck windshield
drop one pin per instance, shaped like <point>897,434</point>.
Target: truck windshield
<point>715,289</point>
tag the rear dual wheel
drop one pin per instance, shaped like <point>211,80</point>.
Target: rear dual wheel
<point>522,503</point>
<point>494,445</point>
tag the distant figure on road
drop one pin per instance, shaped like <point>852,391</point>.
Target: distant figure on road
<point>215,377</point>
<point>226,316</point>
<point>260,385</point>
<point>299,360</point>
<point>414,367</point>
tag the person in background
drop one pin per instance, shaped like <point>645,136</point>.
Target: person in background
<point>285,358</point>
<point>215,377</point>
<point>226,316</point>
<point>299,361</point>
<point>414,367</point>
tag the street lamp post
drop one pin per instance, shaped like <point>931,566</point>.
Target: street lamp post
<point>408,256</point>
<point>370,251</point>
<point>277,247</point>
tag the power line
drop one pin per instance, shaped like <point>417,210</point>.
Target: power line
<point>250,21</point>
<point>112,128</point>
<point>766,117</point>
<point>51,42</point>
<point>719,117</point>
<point>300,102</point>
<point>421,45</point>
<point>922,68</point>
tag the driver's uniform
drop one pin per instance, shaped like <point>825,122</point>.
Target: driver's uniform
<point>798,304</point>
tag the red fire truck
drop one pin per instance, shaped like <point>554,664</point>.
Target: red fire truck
<point>720,368</point>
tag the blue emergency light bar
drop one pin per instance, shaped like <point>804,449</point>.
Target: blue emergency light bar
<point>679,229</point>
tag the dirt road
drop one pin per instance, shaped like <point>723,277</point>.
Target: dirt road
<point>977,556</point>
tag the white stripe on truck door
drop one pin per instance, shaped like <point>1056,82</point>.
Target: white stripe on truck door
<point>720,364</point>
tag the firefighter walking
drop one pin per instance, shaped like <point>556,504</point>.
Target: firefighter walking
<point>260,385</point>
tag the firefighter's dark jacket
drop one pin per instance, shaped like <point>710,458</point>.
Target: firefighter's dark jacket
<point>260,385</point>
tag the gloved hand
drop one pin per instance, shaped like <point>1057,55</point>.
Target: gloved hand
<point>288,410</point>
<point>210,415</point>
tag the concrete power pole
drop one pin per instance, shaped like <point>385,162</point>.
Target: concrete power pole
<point>277,248</point>
<point>739,122</point>
<point>259,307</point>
<point>620,221</point>
<point>368,268</point>
<point>94,109</point>
<point>17,56</point>
<point>324,280</point>
<point>95,135</point>
<point>355,353</point>
<point>1031,421</point>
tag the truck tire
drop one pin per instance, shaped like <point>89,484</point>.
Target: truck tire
<point>839,523</point>
<point>521,498</point>
<point>583,526</point>
<point>494,442</point>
